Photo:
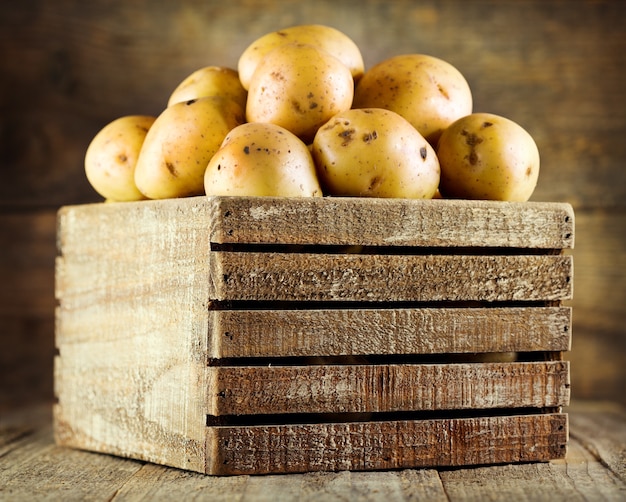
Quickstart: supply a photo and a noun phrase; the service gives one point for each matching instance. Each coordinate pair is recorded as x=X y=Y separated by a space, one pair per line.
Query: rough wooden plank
x=392 y=222
x=132 y=325
x=330 y=332
x=153 y=482
x=385 y=445
x=386 y=387
x=403 y=485
x=577 y=477
x=131 y=382
x=34 y=469
x=352 y=277
x=156 y=482
x=586 y=473
x=602 y=431
x=363 y=221
x=41 y=470
x=113 y=401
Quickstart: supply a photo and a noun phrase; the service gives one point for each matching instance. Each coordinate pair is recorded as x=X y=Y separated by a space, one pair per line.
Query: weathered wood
x=385 y=445
x=61 y=83
x=584 y=474
x=316 y=332
x=37 y=469
x=32 y=467
x=157 y=482
x=385 y=278
x=392 y=222
x=142 y=293
x=601 y=429
x=131 y=271
x=359 y=388
x=58 y=95
x=577 y=477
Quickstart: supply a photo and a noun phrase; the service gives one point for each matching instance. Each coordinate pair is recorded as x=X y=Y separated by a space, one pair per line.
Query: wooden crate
x=263 y=335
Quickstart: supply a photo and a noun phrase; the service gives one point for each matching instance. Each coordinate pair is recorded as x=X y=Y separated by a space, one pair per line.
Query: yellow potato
x=427 y=91
x=180 y=144
x=299 y=87
x=486 y=156
x=374 y=153
x=112 y=155
x=210 y=81
x=262 y=159
x=324 y=37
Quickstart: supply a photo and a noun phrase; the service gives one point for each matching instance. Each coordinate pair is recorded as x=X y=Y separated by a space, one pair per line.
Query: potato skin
x=112 y=155
x=323 y=37
x=210 y=81
x=487 y=156
x=427 y=91
x=374 y=153
x=299 y=87
x=180 y=144
x=262 y=159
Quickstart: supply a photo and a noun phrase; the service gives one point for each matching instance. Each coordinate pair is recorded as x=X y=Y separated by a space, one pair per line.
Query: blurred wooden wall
x=69 y=67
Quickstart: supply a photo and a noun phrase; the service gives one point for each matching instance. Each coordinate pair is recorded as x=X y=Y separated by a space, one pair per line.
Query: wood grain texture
x=132 y=325
x=336 y=332
x=352 y=277
x=600 y=428
x=527 y=67
x=579 y=476
x=32 y=467
x=257 y=390
x=137 y=284
x=385 y=445
x=61 y=473
x=392 y=222
x=61 y=82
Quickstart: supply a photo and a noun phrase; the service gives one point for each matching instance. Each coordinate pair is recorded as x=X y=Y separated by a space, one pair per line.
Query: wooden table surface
x=32 y=467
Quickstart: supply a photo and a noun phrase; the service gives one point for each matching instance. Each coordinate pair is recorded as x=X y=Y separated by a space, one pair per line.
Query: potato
x=427 y=91
x=180 y=144
x=324 y=37
x=374 y=152
x=262 y=159
x=112 y=155
x=486 y=156
x=210 y=81
x=299 y=87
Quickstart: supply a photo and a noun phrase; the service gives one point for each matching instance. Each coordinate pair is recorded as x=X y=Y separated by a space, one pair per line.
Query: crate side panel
x=392 y=222
x=131 y=330
x=253 y=390
x=364 y=277
x=386 y=445
x=340 y=332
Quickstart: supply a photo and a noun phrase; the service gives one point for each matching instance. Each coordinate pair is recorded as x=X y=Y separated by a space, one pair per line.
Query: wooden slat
x=392 y=222
x=254 y=390
x=349 y=277
x=385 y=445
x=330 y=332
x=33 y=468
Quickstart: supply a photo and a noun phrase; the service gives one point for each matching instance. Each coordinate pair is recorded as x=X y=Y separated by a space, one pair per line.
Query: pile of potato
x=300 y=117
